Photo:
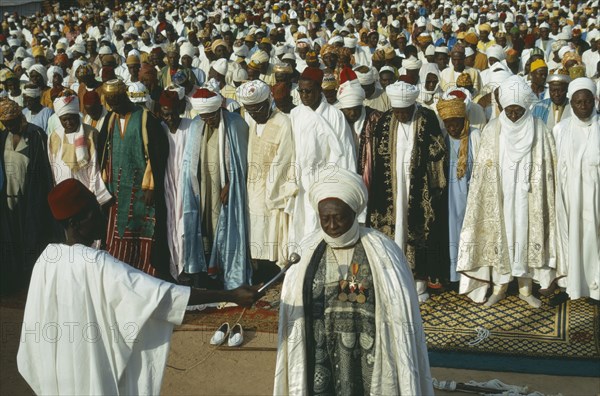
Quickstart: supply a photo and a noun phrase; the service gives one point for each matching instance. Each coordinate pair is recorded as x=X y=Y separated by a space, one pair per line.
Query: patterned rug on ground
x=511 y=327
x=455 y=324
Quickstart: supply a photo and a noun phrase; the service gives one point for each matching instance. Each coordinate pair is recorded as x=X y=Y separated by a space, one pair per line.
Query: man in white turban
x=556 y=107
x=495 y=55
x=270 y=183
x=346 y=305
x=215 y=228
x=375 y=96
x=509 y=229
x=408 y=155
x=72 y=148
x=362 y=119
x=577 y=186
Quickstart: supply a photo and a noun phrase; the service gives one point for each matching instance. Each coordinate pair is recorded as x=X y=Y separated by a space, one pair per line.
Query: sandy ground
x=196 y=368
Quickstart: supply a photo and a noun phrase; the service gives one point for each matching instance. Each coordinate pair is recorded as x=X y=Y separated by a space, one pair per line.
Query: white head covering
x=187 y=49
x=41 y=70
x=367 y=78
x=52 y=70
x=137 y=92
x=412 y=63
x=579 y=84
x=564 y=50
x=469 y=52
x=430 y=50
x=206 y=105
x=350 y=42
x=220 y=66
x=402 y=94
x=442 y=50
x=32 y=92
x=240 y=75
x=515 y=91
x=350 y=94
x=253 y=92
x=496 y=51
x=348 y=187
x=66 y=105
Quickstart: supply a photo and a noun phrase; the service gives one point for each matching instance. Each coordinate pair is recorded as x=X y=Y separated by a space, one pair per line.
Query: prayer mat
x=262 y=317
x=512 y=336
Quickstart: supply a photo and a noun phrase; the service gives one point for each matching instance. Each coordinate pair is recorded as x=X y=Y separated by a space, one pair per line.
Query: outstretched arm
x=244 y=296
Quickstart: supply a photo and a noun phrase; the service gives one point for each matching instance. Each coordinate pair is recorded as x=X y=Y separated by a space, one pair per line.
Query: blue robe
x=458 y=190
x=230 y=253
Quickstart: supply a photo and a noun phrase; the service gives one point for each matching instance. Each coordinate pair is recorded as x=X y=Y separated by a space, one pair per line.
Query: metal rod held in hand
x=293 y=259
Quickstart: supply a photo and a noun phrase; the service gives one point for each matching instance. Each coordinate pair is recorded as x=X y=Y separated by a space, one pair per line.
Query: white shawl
x=401 y=363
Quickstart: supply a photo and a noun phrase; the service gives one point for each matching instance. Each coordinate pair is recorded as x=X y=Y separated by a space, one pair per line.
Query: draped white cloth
x=323 y=141
x=173 y=193
x=401 y=363
x=578 y=204
x=96 y=326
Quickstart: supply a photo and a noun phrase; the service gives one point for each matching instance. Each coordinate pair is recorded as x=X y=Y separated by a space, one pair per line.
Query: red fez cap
x=280 y=90
x=156 y=50
x=312 y=73
x=203 y=93
x=91 y=98
x=168 y=98
x=347 y=74
x=69 y=198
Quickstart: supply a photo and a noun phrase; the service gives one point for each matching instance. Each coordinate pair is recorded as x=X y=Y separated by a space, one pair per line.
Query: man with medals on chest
x=133 y=161
x=349 y=320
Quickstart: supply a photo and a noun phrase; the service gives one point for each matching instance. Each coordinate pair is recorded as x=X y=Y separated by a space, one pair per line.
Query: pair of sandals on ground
x=233 y=335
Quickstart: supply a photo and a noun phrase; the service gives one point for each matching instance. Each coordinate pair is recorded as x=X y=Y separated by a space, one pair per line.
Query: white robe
x=173 y=193
x=89 y=175
x=323 y=141
x=270 y=185
x=405 y=138
x=96 y=326
x=578 y=205
x=401 y=364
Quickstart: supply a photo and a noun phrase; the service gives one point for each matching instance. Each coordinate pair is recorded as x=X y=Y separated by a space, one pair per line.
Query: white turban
x=187 y=49
x=350 y=42
x=497 y=76
x=564 y=50
x=137 y=92
x=469 y=52
x=104 y=50
x=41 y=70
x=515 y=91
x=27 y=63
x=79 y=47
x=32 y=92
x=367 y=78
x=260 y=56
x=430 y=50
x=66 y=105
x=206 y=105
x=496 y=51
x=220 y=66
x=240 y=75
x=402 y=94
x=442 y=50
x=54 y=70
x=253 y=92
x=350 y=94
x=344 y=185
x=412 y=63
x=336 y=39
x=581 y=83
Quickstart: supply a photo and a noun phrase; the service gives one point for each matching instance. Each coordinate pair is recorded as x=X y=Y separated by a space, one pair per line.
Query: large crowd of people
x=216 y=134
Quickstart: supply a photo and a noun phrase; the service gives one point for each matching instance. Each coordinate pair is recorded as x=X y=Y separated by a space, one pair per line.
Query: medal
x=361 y=298
x=343 y=297
x=343 y=284
x=352 y=297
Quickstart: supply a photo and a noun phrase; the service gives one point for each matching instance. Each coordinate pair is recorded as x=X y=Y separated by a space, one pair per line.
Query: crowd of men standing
x=200 y=127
